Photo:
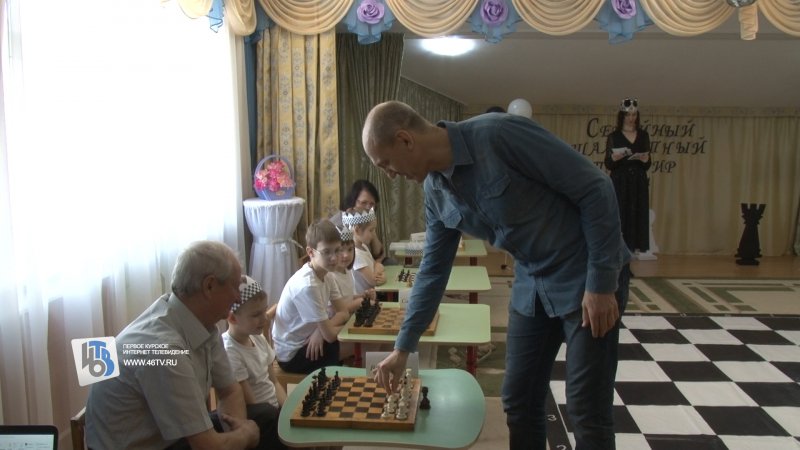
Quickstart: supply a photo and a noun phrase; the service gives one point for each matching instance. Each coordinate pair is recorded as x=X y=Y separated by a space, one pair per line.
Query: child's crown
x=353 y=218
x=247 y=290
x=345 y=233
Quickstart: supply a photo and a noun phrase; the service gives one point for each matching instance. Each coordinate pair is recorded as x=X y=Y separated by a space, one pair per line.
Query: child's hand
x=370 y=295
x=380 y=278
x=315 y=344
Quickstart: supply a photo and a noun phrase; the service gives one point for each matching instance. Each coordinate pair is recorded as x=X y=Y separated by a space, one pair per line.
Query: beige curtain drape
x=297 y=114
x=706 y=162
x=367 y=75
x=304 y=16
x=431 y=18
x=558 y=17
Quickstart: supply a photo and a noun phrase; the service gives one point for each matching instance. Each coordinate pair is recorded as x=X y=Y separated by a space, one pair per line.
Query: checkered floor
x=700 y=382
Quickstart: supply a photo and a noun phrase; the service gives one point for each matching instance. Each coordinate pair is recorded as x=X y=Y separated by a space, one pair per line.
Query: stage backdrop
x=706 y=162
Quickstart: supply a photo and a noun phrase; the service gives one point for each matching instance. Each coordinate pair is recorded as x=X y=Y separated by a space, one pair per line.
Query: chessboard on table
x=388 y=321
x=358 y=403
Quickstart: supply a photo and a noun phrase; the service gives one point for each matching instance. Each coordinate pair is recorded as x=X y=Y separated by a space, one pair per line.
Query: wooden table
x=473 y=249
x=455 y=420
x=459 y=324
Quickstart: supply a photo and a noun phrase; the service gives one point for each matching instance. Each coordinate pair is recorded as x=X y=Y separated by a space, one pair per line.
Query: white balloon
x=520 y=107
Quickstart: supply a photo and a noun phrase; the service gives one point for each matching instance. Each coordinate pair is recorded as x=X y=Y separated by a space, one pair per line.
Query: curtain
x=706 y=162
x=408 y=196
x=433 y=18
x=297 y=114
x=120 y=145
x=366 y=75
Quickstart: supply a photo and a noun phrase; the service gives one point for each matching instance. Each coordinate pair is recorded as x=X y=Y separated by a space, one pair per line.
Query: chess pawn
x=386 y=413
x=402 y=411
x=425 y=403
x=391 y=404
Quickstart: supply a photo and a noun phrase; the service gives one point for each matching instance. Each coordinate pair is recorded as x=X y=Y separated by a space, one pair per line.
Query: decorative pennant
x=368 y=19
x=494 y=19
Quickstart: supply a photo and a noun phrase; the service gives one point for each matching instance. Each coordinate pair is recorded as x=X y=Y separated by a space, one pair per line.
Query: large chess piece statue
x=749 y=245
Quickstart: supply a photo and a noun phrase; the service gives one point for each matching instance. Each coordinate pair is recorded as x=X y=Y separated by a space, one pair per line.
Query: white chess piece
x=402 y=411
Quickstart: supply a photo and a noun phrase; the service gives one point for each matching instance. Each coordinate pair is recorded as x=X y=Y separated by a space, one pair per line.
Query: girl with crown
x=367 y=273
x=628 y=159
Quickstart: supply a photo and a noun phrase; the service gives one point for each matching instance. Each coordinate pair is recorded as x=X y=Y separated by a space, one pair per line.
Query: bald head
x=385 y=120
x=401 y=142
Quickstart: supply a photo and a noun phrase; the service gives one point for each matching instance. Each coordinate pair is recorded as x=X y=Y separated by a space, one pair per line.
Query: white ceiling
x=713 y=69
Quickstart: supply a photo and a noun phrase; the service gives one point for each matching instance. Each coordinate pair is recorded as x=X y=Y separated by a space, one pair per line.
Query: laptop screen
x=28 y=437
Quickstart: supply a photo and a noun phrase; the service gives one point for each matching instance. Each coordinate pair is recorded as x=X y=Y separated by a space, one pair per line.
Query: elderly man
x=163 y=404
x=505 y=179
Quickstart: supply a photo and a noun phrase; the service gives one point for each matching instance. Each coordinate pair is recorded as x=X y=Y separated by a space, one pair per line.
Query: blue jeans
x=531 y=348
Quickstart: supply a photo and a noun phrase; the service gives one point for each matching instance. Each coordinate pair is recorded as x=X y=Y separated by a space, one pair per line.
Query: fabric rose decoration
x=625 y=9
x=370 y=11
x=494 y=19
x=368 y=19
x=494 y=12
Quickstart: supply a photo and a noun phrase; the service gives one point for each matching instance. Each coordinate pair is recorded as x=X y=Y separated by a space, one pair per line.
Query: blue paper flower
x=494 y=19
x=621 y=19
x=368 y=19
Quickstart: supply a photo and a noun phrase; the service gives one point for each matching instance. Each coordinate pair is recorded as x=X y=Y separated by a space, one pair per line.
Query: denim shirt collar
x=459 y=151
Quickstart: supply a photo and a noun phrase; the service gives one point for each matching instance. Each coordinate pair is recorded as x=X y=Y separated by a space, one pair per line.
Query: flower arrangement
x=273 y=179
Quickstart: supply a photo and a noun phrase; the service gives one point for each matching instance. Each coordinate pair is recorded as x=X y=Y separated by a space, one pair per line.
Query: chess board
x=388 y=321
x=358 y=403
x=699 y=382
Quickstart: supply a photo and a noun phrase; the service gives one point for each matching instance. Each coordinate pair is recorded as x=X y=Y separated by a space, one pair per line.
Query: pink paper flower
x=274 y=177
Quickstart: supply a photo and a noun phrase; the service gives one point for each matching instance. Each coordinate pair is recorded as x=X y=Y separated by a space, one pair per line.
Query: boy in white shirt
x=251 y=359
x=304 y=333
x=367 y=273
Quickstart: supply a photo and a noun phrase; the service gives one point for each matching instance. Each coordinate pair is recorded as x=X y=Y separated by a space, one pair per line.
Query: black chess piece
x=425 y=403
x=749 y=245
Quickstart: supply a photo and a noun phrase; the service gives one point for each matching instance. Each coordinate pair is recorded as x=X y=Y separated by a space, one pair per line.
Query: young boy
x=251 y=359
x=367 y=273
x=303 y=331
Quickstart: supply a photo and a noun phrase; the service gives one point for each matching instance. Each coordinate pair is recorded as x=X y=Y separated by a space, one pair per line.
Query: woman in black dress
x=628 y=159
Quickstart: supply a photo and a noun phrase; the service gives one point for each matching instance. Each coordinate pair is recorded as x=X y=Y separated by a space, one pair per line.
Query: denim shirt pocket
x=451 y=218
x=495 y=188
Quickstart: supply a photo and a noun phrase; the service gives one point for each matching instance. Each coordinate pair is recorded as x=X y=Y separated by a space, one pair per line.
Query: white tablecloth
x=273 y=256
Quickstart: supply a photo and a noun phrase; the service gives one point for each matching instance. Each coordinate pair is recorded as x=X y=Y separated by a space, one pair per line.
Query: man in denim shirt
x=506 y=179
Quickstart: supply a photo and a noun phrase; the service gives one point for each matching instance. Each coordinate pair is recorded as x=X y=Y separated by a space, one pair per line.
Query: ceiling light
x=448 y=46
